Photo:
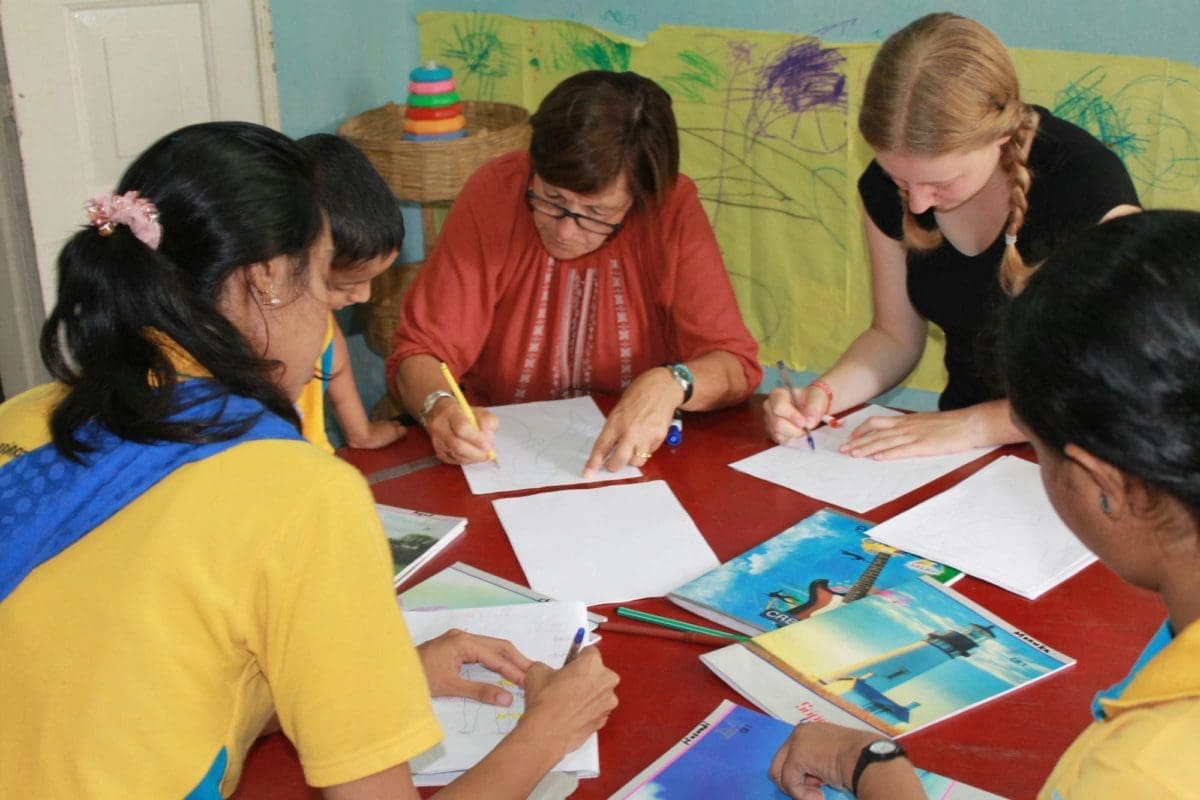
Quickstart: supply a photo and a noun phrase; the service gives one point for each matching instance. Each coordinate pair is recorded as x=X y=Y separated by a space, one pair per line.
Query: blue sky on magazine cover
x=825 y=545
x=826 y=645
x=732 y=760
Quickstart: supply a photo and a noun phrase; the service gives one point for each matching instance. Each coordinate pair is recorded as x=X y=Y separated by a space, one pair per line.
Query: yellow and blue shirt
x=1143 y=742
x=144 y=659
x=311 y=403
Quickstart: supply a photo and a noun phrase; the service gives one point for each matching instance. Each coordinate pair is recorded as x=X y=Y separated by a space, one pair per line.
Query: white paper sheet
x=609 y=544
x=543 y=444
x=997 y=525
x=857 y=484
x=543 y=632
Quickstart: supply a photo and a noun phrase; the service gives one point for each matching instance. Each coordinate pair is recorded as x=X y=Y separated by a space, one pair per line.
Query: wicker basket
x=380 y=313
x=432 y=172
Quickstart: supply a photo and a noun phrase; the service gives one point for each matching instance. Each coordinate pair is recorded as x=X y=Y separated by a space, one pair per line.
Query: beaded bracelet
x=827 y=418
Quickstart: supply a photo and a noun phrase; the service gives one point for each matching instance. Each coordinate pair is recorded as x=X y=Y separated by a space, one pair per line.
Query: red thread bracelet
x=828 y=390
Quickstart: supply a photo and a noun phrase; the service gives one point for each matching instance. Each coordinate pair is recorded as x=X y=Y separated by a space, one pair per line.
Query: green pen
x=677 y=624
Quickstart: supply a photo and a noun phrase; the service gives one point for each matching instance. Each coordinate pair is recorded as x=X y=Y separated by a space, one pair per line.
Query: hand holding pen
x=576 y=646
x=461 y=400
x=564 y=706
x=783 y=412
x=786 y=379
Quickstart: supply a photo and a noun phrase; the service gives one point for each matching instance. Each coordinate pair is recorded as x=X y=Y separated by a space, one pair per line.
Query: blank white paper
x=857 y=484
x=609 y=544
x=543 y=444
x=543 y=632
x=997 y=525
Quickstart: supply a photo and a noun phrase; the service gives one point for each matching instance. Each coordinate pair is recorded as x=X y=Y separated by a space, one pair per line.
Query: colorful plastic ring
x=430 y=73
x=434 y=125
x=444 y=112
x=434 y=137
x=431 y=87
x=432 y=100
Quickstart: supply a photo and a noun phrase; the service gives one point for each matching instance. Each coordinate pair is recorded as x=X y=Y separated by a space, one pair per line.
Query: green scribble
x=699 y=75
x=1172 y=163
x=576 y=52
x=1081 y=102
x=534 y=63
x=480 y=56
x=619 y=18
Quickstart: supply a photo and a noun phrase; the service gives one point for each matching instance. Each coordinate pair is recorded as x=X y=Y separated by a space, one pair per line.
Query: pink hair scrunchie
x=107 y=210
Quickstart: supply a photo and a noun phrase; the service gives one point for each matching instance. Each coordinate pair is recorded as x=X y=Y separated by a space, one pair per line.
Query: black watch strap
x=873 y=753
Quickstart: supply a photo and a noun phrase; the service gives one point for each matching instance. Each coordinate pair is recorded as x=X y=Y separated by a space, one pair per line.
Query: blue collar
x=1162 y=637
x=48 y=502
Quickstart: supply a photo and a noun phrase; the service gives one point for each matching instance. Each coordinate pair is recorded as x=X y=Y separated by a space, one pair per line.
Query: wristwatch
x=682 y=376
x=876 y=751
x=430 y=401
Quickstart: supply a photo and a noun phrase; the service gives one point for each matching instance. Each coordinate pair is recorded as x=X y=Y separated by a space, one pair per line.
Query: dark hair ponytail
x=1102 y=349
x=228 y=195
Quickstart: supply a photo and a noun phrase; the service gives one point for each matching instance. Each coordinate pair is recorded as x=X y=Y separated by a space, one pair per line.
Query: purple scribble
x=806 y=76
x=839 y=27
x=740 y=52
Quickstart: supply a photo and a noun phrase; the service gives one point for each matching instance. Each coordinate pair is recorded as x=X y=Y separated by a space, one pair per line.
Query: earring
x=272 y=298
x=1104 y=504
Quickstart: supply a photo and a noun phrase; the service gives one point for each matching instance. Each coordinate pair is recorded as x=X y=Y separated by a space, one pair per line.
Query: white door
x=94 y=82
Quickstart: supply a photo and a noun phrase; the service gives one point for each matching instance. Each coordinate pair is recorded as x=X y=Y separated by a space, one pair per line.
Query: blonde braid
x=916 y=237
x=1014 y=272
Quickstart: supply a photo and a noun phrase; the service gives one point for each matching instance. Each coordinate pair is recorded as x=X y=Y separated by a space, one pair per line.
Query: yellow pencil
x=465 y=406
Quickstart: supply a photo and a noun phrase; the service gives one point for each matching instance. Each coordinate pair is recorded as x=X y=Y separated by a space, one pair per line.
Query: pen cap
x=675 y=429
x=674 y=433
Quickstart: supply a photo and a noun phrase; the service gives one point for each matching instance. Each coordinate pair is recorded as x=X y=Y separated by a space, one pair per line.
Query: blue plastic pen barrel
x=675 y=431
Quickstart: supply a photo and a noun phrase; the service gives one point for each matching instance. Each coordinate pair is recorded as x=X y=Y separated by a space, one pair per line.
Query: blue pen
x=675 y=430
x=787 y=383
x=575 y=647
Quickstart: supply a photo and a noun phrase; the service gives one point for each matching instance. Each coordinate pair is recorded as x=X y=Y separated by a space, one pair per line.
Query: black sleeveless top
x=1076 y=181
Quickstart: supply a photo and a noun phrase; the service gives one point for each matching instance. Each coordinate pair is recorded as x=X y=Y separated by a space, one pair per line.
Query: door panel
x=95 y=82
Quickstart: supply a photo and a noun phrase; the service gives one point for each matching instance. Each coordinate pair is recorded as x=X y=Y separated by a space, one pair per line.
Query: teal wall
x=336 y=59
x=333 y=60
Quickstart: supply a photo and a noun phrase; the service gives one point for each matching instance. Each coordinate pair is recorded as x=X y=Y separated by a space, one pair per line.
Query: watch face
x=883 y=747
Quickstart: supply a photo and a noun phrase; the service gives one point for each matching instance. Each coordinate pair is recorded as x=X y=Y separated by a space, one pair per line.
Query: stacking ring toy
x=431 y=87
x=444 y=112
x=430 y=72
x=434 y=137
x=432 y=100
x=434 y=125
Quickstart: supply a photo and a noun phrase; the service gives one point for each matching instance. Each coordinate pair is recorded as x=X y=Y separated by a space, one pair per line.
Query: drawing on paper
x=546 y=443
x=499 y=720
x=478 y=56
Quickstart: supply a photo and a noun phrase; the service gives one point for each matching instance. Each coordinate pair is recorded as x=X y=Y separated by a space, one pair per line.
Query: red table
x=1006 y=746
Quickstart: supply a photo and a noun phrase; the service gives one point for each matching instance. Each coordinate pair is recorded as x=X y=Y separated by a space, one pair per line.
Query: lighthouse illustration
x=867 y=683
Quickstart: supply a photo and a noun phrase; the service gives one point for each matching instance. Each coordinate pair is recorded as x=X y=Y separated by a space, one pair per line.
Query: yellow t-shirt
x=311 y=403
x=254 y=581
x=1145 y=746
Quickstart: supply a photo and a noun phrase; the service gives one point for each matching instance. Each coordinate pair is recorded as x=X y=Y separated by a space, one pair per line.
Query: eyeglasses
x=555 y=211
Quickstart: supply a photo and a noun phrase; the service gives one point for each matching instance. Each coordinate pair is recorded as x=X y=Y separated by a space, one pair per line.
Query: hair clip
x=108 y=210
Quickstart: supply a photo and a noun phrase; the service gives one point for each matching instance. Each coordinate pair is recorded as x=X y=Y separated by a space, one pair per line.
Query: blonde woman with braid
x=969 y=188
